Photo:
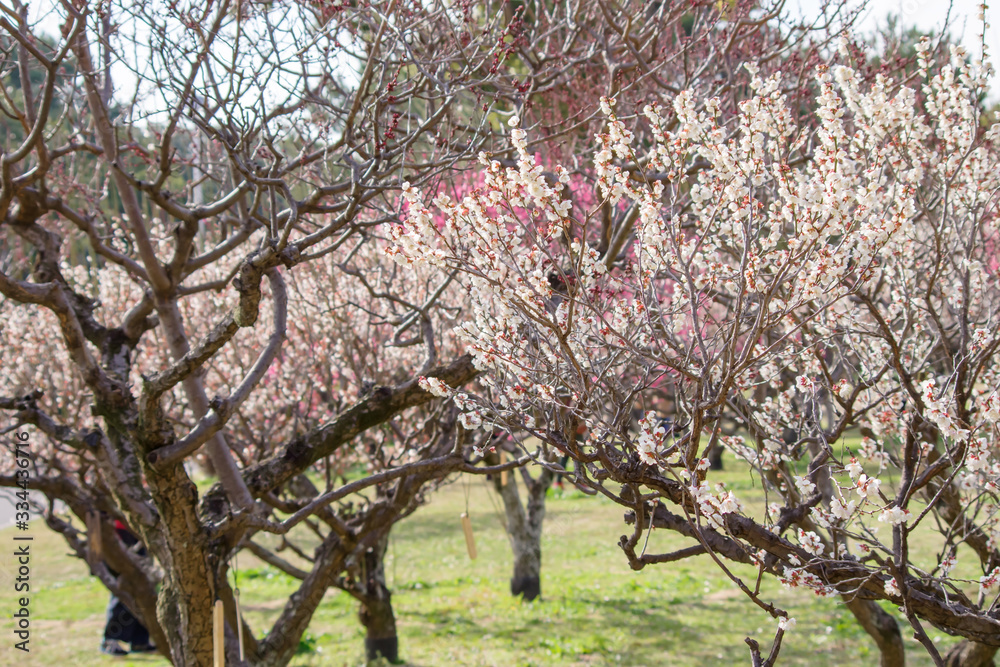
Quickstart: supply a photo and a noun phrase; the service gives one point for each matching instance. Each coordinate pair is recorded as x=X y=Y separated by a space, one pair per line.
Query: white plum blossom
x=978 y=455
x=796 y=577
x=991 y=408
x=989 y=583
x=434 y=386
x=470 y=420
x=463 y=402
x=729 y=503
x=743 y=269
x=937 y=412
x=650 y=442
x=811 y=542
x=895 y=515
x=948 y=564
x=804 y=485
x=842 y=510
x=843 y=389
x=714 y=506
x=868 y=487
x=821 y=517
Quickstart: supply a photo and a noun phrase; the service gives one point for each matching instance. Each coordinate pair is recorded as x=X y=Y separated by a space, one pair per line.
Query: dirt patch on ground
x=723 y=595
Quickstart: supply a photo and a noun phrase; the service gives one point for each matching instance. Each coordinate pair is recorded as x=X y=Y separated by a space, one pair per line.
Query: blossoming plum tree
x=258 y=142
x=192 y=267
x=818 y=279
x=697 y=43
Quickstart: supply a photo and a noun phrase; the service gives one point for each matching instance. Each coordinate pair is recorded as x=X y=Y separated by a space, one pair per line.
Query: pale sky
x=924 y=14
x=928 y=15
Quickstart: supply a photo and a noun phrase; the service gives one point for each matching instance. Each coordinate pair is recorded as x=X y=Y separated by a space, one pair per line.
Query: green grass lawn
x=453 y=611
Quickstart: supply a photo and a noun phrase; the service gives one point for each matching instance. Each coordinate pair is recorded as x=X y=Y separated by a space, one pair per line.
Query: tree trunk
x=524 y=525
x=715 y=457
x=184 y=603
x=376 y=612
x=970 y=654
x=882 y=627
x=527 y=579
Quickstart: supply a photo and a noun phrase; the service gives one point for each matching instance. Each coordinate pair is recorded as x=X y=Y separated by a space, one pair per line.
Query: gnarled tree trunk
x=970 y=654
x=524 y=526
x=882 y=627
x=376 y=612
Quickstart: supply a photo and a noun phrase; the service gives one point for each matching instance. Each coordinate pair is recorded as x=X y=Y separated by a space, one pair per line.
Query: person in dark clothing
x=122 y=627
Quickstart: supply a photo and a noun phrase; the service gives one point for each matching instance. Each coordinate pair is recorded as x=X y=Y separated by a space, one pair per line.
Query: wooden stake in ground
x=470 y=540
x=219 y=635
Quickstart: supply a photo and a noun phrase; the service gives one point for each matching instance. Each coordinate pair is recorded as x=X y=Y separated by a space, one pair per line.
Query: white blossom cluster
x=838 y=276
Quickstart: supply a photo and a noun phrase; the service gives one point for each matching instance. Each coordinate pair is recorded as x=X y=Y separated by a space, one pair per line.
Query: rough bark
x=970 y=654
x=524 y=526
x=184 y=603
x=376 y=612
x=881 y=627
x=278 y=648
x=372 y=409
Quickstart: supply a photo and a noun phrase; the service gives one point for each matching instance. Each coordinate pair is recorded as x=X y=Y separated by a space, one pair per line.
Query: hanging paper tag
x=239 y=623
x=470 y=540
x=503 y=473
x=219 y=635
